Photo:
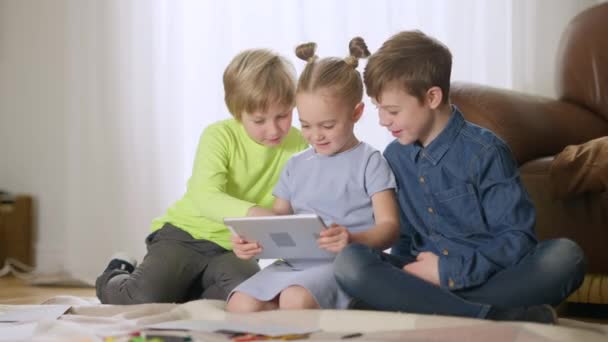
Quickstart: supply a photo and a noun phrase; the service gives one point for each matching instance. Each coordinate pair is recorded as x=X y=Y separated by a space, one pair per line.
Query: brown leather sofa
x=569 y=187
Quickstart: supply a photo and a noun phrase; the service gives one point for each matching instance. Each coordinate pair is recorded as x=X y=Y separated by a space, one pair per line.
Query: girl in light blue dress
x=346 y=182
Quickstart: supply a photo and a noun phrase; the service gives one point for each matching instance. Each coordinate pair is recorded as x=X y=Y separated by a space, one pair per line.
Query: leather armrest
x=533 y=126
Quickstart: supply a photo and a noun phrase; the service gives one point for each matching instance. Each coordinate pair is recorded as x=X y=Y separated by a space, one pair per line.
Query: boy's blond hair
x=256 y=79
x=337 y=75
x=412 y=60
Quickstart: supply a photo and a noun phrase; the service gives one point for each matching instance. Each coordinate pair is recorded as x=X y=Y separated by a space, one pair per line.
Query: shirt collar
x=441 y=144
x=415 y=149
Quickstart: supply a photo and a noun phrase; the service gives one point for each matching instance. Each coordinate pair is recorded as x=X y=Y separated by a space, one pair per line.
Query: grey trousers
x=176 y=269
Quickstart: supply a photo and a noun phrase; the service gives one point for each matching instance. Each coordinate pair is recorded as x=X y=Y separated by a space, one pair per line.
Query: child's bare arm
x=279 y=207
x=259 y=211
x=386 y=231
x=381 y=236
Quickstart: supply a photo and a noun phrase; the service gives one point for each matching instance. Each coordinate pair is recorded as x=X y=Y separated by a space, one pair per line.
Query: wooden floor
x=17 y=291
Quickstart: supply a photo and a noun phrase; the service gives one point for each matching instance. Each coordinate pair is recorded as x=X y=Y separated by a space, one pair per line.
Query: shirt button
x=450 y=282
x=421 y=179
x=430 y=210
x=445 y=252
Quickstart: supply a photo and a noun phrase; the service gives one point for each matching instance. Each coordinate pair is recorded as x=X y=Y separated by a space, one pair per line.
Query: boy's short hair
x=256 y=79
x=413 y=60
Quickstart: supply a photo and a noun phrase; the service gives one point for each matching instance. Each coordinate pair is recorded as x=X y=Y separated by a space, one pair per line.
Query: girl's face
x=327 y=122
x=269 y=127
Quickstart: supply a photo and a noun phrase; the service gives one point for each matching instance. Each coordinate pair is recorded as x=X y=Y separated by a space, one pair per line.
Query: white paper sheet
x=267 y=329
x=17 y=331
x=34 y=313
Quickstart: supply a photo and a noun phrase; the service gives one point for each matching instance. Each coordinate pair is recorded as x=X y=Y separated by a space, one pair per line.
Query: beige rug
x=89 y=321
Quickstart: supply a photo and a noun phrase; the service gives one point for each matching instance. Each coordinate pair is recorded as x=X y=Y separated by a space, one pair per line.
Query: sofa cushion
x=580 y=169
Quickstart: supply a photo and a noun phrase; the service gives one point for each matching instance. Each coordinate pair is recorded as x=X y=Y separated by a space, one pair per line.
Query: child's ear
x=358 y=111
x=434 y=97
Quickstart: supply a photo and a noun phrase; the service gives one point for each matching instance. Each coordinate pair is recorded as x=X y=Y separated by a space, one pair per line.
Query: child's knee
x=561 y=261
x=242 y=302
x=574 y=251
x=297 y=297
x=563 y=255
x=574 y=258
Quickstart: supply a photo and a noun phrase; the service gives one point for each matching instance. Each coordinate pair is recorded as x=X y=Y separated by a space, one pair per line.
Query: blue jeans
x=547 y=275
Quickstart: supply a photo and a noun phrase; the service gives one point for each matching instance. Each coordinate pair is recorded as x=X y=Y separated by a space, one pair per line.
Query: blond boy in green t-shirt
x=237 y=163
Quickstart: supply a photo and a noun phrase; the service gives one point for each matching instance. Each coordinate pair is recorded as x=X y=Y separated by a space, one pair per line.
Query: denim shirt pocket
x=459 y=211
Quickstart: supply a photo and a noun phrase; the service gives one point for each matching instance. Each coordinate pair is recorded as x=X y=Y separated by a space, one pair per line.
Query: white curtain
x=102 y=101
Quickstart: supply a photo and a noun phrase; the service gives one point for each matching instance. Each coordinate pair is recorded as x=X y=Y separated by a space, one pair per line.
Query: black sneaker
x=122 y=261
x=537 y=314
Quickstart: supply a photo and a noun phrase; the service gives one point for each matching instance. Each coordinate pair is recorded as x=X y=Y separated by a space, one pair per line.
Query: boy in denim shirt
x=467 y=244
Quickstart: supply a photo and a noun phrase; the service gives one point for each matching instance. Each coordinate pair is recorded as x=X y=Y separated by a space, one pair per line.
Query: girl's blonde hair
x=337 y=75
x=256 y=79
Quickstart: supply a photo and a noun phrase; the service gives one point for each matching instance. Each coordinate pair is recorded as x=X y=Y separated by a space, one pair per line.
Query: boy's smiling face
x=327 y=122
x=268 y=127
x=408 y=119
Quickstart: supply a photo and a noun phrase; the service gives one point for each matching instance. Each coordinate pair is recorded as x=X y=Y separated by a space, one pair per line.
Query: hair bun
x=357 y=49
x=306 y=51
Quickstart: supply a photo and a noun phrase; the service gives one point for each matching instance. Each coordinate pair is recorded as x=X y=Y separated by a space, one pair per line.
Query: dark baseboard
x=583 y=310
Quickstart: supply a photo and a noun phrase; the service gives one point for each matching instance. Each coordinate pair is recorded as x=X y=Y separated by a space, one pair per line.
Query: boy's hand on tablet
x=334 y=238
x=245 y=249
x=425 y=267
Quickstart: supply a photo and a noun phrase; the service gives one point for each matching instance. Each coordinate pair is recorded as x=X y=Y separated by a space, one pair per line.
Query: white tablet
x=282 y=237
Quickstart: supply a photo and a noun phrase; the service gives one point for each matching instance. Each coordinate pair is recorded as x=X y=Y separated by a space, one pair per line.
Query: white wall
x=32 y=115
x=539 y=40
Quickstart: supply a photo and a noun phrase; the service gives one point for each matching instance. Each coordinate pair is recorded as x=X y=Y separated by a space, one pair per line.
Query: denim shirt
x=461 y=198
